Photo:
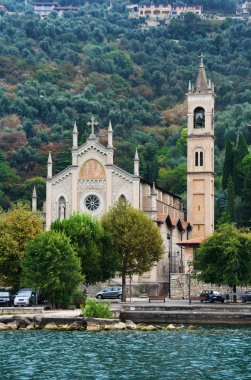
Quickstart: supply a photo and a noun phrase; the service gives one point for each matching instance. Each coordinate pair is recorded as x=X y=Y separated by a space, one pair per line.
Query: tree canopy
x=136 y=240
x=93 y=246
x=225 y=257
x=51 y=265
x=18 y=227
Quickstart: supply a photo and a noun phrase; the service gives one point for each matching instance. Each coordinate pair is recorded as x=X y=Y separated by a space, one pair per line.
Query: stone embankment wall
x=180 y=287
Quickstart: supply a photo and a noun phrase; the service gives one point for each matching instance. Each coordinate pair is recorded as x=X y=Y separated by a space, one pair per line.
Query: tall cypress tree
x=246 y=196
x=238 y=173
x=228 y=164
x=230 y=198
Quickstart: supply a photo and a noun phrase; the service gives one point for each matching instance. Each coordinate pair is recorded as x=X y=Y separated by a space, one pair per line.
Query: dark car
x=246 y=296
x=211 y=296
x=6 y=299
x=110 y=292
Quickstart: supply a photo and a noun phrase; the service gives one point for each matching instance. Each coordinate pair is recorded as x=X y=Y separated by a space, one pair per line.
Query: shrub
x=96 y=309
x=79 y=299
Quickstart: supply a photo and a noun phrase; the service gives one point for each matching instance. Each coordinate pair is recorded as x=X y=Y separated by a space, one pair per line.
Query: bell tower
x=200 y=154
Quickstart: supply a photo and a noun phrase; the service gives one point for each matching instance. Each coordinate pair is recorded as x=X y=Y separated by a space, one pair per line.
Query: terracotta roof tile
x=191 y=242
x=161 y=218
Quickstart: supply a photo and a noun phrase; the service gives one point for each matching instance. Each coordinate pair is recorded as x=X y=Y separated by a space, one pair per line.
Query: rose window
x=92 y=202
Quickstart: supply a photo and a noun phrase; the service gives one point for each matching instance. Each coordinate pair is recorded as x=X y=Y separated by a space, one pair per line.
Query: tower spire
x=201 y=84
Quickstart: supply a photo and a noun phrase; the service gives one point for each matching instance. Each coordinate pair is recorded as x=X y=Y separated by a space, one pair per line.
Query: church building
x=93 y=184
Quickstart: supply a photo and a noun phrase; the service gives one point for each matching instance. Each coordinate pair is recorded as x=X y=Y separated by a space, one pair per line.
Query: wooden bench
x=157 y=298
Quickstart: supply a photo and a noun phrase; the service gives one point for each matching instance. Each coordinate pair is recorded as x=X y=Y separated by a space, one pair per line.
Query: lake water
x=205 y=353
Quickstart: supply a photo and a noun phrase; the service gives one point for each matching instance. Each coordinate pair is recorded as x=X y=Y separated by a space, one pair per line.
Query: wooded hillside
x=98 y=62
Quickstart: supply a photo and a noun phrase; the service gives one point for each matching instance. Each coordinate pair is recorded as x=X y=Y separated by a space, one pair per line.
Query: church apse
x=92 y=169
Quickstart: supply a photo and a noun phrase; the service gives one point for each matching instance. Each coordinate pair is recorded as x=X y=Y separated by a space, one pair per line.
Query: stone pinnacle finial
x=154 y=192
x=189 y=86
x=34 y=200
x=110 y=135
x=136 y=157
x=49 y=158
x=75 y=129
x=136 y=163
x=75 y=136
x=110 y=126
x=34 y=193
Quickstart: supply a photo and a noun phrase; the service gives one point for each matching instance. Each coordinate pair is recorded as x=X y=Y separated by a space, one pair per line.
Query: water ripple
x=206 y=353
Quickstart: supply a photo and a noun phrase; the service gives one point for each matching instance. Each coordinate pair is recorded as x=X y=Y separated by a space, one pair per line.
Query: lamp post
x=168 y=236
x=189 y=263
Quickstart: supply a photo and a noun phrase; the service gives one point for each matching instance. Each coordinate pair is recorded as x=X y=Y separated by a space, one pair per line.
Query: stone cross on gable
x=201 y=56
x=92 y=123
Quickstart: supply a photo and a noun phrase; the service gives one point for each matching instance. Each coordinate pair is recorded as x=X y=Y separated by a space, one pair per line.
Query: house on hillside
x=44 y=9
x=161 y=11
x=243 y=9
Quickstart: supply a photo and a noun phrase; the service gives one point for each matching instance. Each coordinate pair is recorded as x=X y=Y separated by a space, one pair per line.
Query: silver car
x=110 y=292
x=25 y=297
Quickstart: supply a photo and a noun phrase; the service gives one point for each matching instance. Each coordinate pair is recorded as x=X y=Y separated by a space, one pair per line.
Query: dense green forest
x=98 y=62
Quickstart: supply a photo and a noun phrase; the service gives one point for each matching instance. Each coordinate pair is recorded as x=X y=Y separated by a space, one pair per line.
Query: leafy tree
x=93 y=246
x=18 y=226
x=24 y=158
x=225 y=257
x=8 y=182
x=173 y=180
x=51 y=265
x=136 y=239
x=182 y=142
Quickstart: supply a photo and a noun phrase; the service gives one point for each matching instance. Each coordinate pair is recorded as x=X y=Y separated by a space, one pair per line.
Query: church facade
x=93 y=184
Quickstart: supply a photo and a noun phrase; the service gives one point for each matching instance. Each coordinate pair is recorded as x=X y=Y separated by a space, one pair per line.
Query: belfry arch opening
x=199 y=118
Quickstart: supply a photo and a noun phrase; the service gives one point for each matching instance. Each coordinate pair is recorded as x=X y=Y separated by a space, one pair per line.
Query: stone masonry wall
x=180 y=287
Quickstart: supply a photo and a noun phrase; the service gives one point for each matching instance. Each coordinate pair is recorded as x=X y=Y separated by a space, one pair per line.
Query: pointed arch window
x=61 y=208
x=199 y=118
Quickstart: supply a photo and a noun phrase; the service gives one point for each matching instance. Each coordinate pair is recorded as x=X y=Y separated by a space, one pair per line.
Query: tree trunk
x=123 y=298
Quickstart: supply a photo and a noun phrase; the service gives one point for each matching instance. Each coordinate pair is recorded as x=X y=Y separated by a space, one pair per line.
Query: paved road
x=116 y=306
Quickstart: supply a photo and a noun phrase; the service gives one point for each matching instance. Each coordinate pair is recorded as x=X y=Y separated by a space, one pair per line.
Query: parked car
x=111 y=292
x=246 y=296
x=25 y=297
x=6 y=299
x=211 y=296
